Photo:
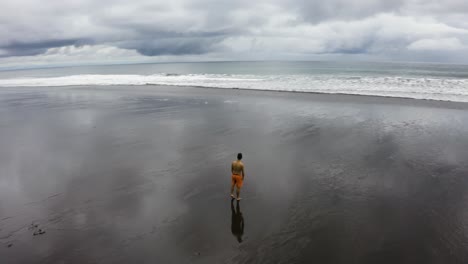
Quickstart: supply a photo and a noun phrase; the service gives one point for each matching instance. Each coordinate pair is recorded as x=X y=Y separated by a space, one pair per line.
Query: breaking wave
x=408 y=87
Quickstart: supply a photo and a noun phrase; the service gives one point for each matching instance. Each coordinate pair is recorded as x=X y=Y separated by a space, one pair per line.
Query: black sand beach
x=141 y=175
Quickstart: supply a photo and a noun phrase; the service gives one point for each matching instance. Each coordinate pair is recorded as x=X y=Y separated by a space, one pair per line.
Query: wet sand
x=141 y=175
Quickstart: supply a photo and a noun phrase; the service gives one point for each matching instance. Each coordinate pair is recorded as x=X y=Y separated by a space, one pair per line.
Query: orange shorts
x=237 y=180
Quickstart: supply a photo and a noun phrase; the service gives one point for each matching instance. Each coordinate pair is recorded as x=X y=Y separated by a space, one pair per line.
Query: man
x=238 y=174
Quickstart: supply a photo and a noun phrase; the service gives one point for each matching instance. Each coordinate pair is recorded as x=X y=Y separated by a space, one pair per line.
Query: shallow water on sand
x=139 y=175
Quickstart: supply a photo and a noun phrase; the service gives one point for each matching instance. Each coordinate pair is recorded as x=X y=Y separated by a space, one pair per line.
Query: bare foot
x=232 y=196
x=238 y=198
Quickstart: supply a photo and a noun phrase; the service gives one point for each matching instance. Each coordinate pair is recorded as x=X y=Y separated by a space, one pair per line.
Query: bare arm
x=243 y=173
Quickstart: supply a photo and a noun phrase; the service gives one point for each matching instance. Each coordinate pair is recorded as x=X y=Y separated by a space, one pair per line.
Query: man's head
x=239 y=156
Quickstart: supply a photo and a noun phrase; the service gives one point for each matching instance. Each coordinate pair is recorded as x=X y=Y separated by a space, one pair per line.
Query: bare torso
x=237 y=168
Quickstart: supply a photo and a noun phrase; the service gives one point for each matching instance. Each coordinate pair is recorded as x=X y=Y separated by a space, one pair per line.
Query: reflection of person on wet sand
x=237 y=221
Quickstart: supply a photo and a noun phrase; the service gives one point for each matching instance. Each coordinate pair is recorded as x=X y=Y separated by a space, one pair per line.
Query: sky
x=34 y=32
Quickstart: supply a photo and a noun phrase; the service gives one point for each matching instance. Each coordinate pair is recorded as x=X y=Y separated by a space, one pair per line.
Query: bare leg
x=232 y=191
x=238 y=194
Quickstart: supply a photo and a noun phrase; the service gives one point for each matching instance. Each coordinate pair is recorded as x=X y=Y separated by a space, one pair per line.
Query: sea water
x=408 y=80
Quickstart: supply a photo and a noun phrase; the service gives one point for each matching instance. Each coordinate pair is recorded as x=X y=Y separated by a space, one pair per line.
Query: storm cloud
x=33 y=30
x=34 y=48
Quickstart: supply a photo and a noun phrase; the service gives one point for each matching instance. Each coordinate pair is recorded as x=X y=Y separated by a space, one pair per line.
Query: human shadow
x=237 y=221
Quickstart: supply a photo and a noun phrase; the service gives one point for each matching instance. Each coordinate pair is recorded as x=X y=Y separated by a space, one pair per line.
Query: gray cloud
x=171 y=46
x=319 y=11
x=33 y=48
x=233 y=29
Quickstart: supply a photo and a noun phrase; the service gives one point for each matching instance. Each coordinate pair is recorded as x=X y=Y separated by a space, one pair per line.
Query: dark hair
x=239 y=156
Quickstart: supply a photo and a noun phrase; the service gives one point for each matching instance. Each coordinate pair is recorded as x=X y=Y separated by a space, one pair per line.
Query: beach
x=141 y=174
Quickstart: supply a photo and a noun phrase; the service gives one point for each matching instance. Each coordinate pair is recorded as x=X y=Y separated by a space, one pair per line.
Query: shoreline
x=362 y=98
x=319 y=93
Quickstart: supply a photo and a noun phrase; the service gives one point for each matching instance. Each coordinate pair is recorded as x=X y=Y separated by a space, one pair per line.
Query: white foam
x=419 y=88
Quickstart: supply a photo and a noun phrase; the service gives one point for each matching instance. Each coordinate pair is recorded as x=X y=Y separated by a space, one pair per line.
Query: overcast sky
x=105 y=31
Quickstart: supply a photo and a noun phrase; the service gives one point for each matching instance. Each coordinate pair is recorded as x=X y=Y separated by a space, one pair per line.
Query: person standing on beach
x=238 y=174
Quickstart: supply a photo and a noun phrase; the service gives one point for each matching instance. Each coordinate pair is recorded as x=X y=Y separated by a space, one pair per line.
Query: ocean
x=446 y=82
